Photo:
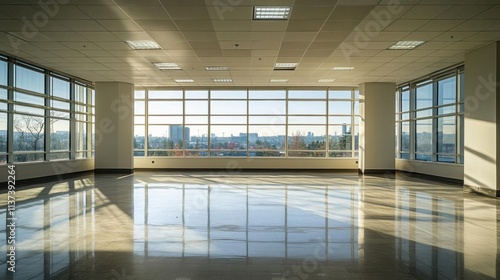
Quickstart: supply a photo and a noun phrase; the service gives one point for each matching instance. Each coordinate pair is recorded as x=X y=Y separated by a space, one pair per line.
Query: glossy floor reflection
x=276 y=226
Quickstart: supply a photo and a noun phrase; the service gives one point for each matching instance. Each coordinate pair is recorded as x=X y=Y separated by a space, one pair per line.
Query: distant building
x=175 y=132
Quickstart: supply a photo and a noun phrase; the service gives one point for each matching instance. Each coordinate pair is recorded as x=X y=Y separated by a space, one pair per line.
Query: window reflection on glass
x=3 y=73
x=29 y=79
x=424 y=96
x=423 y=139
x=447 y=91
x=60 y=88
x=446 y=139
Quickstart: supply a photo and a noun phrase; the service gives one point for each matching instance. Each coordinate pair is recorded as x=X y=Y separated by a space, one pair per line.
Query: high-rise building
x=175 y=133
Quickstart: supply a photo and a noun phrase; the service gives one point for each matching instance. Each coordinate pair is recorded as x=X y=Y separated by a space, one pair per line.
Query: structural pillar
x=376 y=136
x=114 y=132
x=481 y=132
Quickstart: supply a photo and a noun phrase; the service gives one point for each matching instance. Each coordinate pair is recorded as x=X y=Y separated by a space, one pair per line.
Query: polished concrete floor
x=271 y=226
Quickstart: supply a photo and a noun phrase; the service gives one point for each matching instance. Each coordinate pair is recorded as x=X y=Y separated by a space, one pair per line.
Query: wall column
x=481 y=147
x=114 y=132
x=377 y=128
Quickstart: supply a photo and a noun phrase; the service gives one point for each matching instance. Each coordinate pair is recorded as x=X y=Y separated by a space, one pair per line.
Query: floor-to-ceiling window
x=41 y=113
x=294 y=123
x=429 y=118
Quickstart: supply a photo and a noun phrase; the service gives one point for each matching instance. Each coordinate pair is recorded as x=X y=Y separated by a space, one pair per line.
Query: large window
x=429 y=118
x=246 y=123
x=41 y=113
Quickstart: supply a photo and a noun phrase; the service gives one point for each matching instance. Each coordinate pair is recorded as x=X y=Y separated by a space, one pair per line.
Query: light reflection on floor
x=252 y=226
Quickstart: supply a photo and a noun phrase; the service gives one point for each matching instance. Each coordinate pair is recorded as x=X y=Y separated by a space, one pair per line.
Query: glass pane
x=198 y=107
x=267 y=94
x=165 y=94
x=139 y=108
x=80 y=93
x=30 y=110
x=340 y=94
x=266 y=141
x=340 y=137
x=356 y=139
x=306 y=120
x=424 y=96
x=267 y=107
x=165 y=107
x=306 y=138
x=446 y=137
x=3 y=72
x=196 y=119
x=447 y=91
x=307 y=94
x=3 y=132
x=462 y=87
x=339 y=107
x=59 y=156
x=405 y=137
x=139 y=119
x=196 y=94
x=167 y=136
x=139 y=94
x=59 y=114
x=139 y=136
x=81 y=136
x=306 y=108
x=228 y=120
x=28 y=98
x=165 y=120
x=405 y=101
x=228 y=94
x=28 y=133
x=28 y=157
x=461 y=131
x=424 y=113
x=339 y=120
x=198 y=140
x=60 y=88
x=270 y=120
x=228 y=107
x=29 y=79
x=63 y=105
x=423 y=141
x=59 y=135
x=446 y=110
x=3 y=93
x=228 y=137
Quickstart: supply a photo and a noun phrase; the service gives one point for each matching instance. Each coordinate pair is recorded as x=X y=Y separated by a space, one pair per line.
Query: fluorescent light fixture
x=342 y=68
x=144 y=45
x=184 y=81
x=271 y=12
x=167 y=66
x=285 y=66
x=406 y=45
x=226 y=80
x=278 y=80
x=216 y=68
x=326 y=80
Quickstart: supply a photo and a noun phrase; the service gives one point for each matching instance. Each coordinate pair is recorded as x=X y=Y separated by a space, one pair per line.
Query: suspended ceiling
x=86 y=38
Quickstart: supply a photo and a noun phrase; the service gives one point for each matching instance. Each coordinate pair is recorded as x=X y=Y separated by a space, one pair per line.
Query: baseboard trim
x=377 y=171
x=113 y=171
x=246 y=170
x=481 y=190
x=46 y=179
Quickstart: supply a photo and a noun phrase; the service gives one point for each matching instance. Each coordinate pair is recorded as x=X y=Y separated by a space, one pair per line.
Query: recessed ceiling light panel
x=406 y=45
x=216 y=68
x=271 y=12
x=144 y=45
x=285 y=66
x=326 y=80
x=167 y=66
x=342 y=68
x=278 y=80
x=184 y=81
x=224 y=80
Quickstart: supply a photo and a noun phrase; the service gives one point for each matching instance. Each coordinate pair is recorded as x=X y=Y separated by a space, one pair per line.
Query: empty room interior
x=249 y=139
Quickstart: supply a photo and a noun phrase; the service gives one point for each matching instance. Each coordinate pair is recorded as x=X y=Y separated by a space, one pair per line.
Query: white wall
x=377 y=141
x=481 y=114
x=249 y=163
x=42 y=169
x=114 y=125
